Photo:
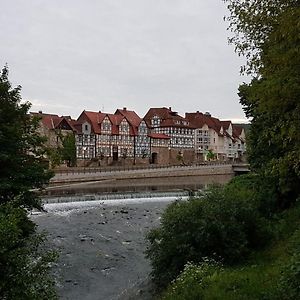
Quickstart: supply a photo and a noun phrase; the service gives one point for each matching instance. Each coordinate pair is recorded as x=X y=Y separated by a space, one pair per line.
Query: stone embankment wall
x=167 y=179
x=145 y=173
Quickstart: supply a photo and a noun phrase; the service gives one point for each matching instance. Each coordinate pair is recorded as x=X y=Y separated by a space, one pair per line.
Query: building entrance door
x=154 y=158
x=115 y=153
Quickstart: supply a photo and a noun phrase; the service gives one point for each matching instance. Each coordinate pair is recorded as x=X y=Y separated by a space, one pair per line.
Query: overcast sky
x=71 y=55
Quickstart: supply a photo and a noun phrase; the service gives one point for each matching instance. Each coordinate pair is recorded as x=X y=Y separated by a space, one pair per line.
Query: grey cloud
x=115 y=53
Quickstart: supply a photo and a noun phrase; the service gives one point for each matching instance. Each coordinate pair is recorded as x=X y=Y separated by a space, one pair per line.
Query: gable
x=64 y=125
x=86 y=128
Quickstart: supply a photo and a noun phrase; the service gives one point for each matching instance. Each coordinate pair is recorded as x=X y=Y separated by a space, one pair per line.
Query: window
x=106 y=125
x=155 y=121
x=86 y=127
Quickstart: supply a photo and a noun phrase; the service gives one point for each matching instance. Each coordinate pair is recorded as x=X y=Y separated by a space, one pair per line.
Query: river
x=101 y=246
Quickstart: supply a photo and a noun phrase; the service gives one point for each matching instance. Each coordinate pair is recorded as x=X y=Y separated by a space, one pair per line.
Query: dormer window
x=124 y=127
x=155 y=122
x=106 y=125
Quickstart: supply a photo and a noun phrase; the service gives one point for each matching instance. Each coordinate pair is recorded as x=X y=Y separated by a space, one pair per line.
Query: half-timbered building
x=179 y=130
x=54 y=127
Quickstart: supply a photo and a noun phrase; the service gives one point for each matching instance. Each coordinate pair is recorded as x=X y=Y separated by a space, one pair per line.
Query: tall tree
x=21 y=149
x=69 y=149
x=267 y=32
x=23 y=263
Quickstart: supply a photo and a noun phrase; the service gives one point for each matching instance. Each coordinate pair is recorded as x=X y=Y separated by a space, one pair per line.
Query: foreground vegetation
x=24 y=261
x=271 y=273
x=230 y=243
x=242 y=241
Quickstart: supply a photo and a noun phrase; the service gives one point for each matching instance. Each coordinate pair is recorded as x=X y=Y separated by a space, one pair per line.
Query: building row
x=162 y=136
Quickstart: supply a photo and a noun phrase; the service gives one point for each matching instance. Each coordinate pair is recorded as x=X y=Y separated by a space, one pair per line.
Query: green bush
x=193 y=281
x=289 y=283
x=262 y=190
x=25 y=261
x=272 y=273
x=223 y=224
x=289 y=286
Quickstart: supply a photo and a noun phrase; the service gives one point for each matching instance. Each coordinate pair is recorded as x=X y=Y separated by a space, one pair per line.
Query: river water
x=101 y=245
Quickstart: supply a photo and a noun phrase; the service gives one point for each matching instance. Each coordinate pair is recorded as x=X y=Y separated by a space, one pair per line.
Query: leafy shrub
x=289 y=283
x=223 y=224
x=24 y=260
x=193 y=281
x=259 y=189
x=289 y=286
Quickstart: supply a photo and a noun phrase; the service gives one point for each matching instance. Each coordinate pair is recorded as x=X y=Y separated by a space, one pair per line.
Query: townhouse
x=161 y=137
x=112 y=138
x=54 y=127
x=222 y=138
x=169 y=125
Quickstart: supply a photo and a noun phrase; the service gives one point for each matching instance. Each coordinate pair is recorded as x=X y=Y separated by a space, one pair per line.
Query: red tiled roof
x=115 y=121
x=169 y=118
x=78 y=127
x=133 y=119
x=95 y=118
x=237 y=130
x=225 y=124
x=158 y=136
x=198 y=119
x=131 y=116
x=48 y=120
x=161 y=112
x=52 y=121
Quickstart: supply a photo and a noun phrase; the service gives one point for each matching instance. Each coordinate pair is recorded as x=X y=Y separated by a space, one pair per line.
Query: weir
x=119 y=196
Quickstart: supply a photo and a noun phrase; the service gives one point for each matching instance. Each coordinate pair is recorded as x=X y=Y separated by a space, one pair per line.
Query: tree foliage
x=224 y=224
x=21 y=149
x=251 y=23
x=64 y=153
x=230 y=222
x=68 y=151
x=23 y=263
x=267 y=33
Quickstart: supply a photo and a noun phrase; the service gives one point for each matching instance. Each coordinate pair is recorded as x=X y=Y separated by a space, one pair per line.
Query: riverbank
x=138 y=182
x=102 y=247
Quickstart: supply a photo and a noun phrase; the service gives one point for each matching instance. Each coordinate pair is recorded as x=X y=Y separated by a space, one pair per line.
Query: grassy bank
x=271 y=273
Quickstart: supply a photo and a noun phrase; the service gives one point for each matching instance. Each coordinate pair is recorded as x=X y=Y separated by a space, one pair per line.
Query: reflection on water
x=140 y=185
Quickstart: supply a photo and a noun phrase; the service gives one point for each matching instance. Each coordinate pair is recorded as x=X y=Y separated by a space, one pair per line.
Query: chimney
x=40 y=112
x=124 y=108
x=99 y=111
x=170 y=108
x=197 y=111
x=207 y=113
